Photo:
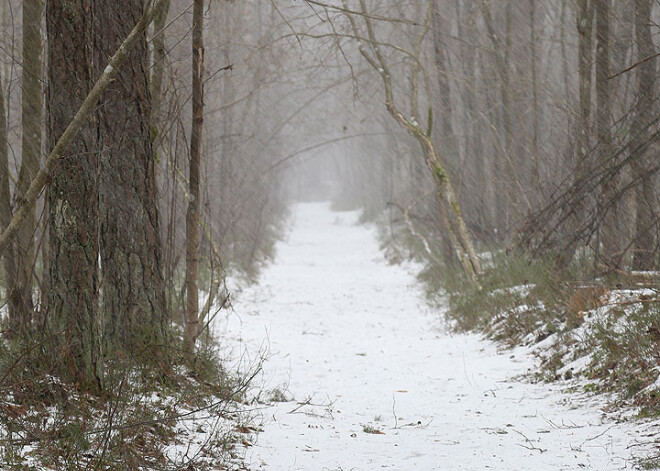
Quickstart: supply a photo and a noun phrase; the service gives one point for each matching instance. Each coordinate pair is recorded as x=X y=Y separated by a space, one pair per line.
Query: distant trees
x=542 y=116
x=370 y=47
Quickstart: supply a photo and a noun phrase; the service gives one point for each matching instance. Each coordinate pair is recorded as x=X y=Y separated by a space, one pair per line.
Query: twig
x=595 y=437
x=396 y=419
x=531 y=445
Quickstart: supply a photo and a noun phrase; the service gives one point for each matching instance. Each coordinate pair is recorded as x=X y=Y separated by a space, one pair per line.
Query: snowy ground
x=354 y=349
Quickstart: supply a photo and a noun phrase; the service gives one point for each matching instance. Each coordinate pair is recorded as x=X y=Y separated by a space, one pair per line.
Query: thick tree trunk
x=132 y=282
x=73 y=129
x=193 y=214
x=72 y=197
x=21 y=305
x=646 y=112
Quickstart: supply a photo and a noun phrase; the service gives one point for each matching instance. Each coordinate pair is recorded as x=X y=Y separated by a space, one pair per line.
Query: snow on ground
x=352 y=340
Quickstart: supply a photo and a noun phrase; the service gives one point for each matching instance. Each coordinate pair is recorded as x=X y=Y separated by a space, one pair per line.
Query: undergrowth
x=185 y=415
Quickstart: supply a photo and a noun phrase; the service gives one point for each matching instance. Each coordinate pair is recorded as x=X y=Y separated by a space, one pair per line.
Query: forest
x=169 y=168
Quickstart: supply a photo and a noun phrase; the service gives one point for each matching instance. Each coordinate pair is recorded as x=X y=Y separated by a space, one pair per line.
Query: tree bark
x=444 y=88
x=193 y=213
x=72 y=197
x=158 y=69
x=132 y=281
x=536 y=110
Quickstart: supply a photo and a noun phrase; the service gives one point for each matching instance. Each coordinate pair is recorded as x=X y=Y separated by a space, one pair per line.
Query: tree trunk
x=507 y=171
x=5 y=196
x=460 y=236
x=21 y=305
x=132 y=282
x=610 y=227
x=193 y=213
x=646 y=112
x=504 y=172
x=583 y=165
x=472 y=119
x=536 y=110
x=158 y=69
x=72 y=197
x=444 y=88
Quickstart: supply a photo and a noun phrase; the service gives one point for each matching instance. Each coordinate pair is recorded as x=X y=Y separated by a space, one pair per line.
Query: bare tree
x=611 y=236
x=583 y=165
x=193 y=214
x=5 y=194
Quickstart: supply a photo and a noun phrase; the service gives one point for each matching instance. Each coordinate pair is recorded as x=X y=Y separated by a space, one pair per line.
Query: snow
x=353 y=341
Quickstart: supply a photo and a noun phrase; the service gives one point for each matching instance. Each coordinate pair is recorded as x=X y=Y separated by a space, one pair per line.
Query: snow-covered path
x=351 y=336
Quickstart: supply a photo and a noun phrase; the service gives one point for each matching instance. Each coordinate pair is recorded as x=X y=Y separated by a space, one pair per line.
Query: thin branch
x=348 y=11
x=637 y=64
